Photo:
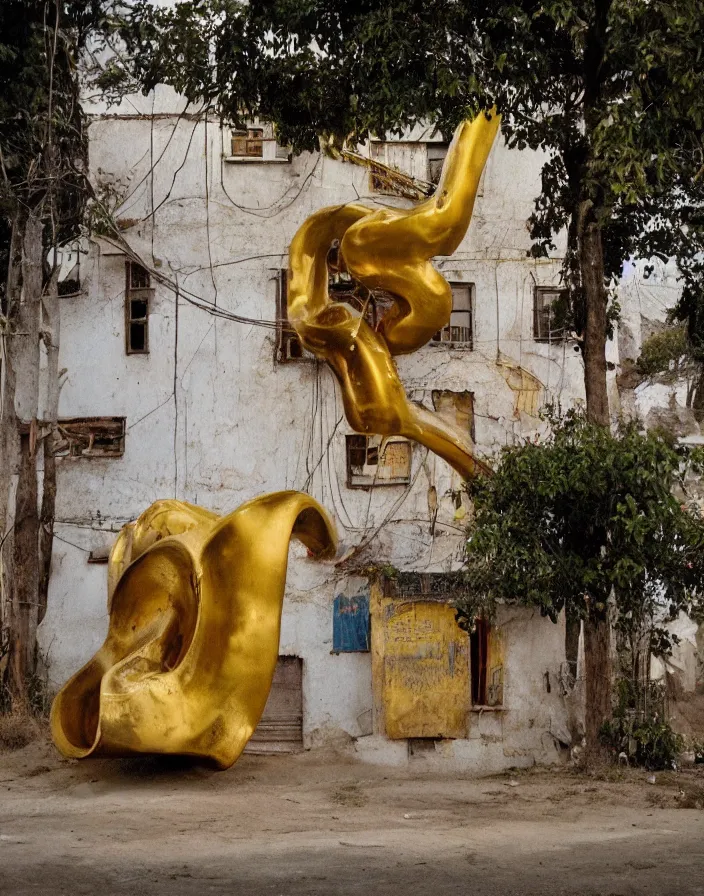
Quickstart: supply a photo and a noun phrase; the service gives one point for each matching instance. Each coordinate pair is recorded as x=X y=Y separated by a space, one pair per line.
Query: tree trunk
x=597 y=631
x=573 y=626
x=26 y=571
x=697 y=402
x=20 y=420
x=597 y=673
x=9 y=447
x=591 y=263
x=50 y=334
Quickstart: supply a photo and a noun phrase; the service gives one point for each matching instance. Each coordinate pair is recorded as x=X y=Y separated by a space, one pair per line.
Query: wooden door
x=280 y=729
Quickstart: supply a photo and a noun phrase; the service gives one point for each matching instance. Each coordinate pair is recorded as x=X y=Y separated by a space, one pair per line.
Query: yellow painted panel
x=426 y=670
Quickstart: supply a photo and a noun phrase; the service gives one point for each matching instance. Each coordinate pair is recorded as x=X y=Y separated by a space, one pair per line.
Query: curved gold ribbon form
x=389 y=249
x=195 y=613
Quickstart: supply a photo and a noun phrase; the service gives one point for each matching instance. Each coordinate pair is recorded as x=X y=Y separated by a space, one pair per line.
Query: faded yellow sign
x=425 y=670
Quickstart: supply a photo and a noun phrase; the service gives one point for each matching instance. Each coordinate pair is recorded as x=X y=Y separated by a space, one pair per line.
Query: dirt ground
x=323 y=823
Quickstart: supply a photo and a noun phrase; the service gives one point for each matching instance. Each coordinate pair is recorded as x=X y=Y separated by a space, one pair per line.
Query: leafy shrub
x=650 y=742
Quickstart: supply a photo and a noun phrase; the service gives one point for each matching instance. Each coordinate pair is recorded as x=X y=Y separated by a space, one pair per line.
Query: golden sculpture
x=195 y=610
x=389 y=249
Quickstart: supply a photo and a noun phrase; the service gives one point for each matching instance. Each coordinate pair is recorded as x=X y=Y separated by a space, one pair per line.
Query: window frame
x=365 y=481
x=340 y=290
x=482 y=671
x=137 y=294
x=286 y=336
x=540 y=309
x=253 y=151
x=463 y=344
x=78 y=424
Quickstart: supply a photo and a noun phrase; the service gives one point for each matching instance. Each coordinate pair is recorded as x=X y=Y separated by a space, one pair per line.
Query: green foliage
x=583 y=515
x=664 y=352
x=650 y=742
x=43 y=144
x=612 y=92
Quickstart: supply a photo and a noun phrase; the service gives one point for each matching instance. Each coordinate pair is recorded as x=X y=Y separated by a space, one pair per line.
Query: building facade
x=182 y=380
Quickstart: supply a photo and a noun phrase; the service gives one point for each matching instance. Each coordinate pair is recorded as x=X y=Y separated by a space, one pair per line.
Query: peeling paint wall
x=212 y=419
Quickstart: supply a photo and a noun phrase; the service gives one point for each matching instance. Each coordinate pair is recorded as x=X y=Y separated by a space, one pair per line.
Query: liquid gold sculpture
x=389 y=249
x=195 y=610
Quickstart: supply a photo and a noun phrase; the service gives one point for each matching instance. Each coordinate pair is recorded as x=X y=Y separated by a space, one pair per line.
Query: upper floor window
x=249 y=142
x=549 y=312
x=459 y=332
x=371 y=304
x=399 y=168
x=255 y=142
x=138 y=296
x=374 y=460
x=436 y=159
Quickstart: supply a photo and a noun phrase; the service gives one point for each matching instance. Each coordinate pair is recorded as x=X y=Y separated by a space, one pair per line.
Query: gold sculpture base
x=195 y=611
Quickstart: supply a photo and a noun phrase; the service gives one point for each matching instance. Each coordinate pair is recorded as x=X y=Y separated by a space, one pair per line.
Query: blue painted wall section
x=350 y=623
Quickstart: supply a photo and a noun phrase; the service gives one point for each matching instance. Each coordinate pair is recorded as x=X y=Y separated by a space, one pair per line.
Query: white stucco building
x=206 y=408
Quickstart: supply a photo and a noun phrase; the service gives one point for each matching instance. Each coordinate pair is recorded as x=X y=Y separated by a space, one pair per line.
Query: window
x=91 y=437
x=248 y=143
x=459 y=332
x=137 y=298
x=374 y=460
x=549 y=312
x=436 y=159
x=288 y=345
x=373 y=305
x=254 y=142
x=486 y=666
x=399 y=168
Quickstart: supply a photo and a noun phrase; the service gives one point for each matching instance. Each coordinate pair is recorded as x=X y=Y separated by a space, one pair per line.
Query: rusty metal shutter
x=280 y=729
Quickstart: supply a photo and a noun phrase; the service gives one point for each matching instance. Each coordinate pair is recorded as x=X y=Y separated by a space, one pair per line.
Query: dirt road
x=326 y=824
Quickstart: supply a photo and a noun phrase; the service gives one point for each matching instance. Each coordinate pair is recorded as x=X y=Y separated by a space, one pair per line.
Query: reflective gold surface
x=389 y=249
x=195 y=610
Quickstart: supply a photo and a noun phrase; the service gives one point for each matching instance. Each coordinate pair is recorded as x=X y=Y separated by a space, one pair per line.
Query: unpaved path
x=325 y=824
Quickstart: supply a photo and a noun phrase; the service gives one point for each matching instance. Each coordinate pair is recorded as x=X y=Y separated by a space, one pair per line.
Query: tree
x=43 y=195
x=583 y=519
x=611 y=90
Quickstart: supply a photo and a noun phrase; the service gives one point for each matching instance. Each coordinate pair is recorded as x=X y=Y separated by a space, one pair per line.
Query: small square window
x=249 y=143
x=375 y=461
x=549 y=313
x=459 y=332
x=138 y=276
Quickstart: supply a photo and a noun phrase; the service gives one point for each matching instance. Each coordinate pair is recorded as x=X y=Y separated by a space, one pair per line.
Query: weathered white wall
x=212 y=419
